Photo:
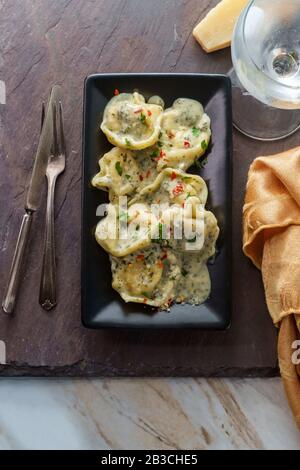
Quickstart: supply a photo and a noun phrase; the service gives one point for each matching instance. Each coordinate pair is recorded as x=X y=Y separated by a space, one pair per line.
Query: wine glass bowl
x=266 y=60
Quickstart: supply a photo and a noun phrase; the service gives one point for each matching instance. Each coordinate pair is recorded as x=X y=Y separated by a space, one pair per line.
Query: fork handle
x=16 y=267
x=48 y=280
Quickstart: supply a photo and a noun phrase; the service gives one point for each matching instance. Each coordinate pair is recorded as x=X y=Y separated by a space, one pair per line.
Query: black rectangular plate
x=102 y=307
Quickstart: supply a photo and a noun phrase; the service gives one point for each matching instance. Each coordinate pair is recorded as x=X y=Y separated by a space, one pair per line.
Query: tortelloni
x=151 y=264
x=160 y=242
x=124 y=172
x=148 y=276
x=131 y=123
x=185 y=134
x=119 y=173
x=175 y=187
x=124 y=232
x=158 y=206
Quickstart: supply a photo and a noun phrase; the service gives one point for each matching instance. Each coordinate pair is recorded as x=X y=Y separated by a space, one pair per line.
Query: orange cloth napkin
x=271 y=239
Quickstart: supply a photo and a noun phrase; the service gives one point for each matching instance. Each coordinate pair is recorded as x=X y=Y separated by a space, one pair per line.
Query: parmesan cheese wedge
x=214 y=32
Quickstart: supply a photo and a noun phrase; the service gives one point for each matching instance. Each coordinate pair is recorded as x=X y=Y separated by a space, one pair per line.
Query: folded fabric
x=271 y=239
x=288 y=334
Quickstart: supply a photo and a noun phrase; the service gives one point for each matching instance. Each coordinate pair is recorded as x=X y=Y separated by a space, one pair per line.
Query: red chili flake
x=178 y=189
x=148 y=174
x=140 y=257
x=141 y=177
x=161 y=155
x=160 y=264
x=149 y=113
x=164 y=256
x=187 y=144
x=116 y=92
x=138 y=111
x=182 y=204
x=169 y=302
x=173 y=175
x=145 y=301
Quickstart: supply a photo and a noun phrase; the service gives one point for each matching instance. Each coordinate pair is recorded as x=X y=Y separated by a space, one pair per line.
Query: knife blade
x=32 y=201
x=42 y=154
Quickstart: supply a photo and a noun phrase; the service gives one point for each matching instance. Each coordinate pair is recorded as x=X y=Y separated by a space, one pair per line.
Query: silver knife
x=32 y=201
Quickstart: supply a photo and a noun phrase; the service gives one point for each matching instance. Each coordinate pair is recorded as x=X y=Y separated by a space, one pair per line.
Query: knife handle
x=16 y=267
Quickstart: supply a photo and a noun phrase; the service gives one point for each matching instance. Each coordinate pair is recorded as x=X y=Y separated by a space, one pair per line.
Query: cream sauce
x=156 y=270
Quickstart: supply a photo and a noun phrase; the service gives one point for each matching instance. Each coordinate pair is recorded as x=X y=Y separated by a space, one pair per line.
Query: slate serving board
x=62 y=41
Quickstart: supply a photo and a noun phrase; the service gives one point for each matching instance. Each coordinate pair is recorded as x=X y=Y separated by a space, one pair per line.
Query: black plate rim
x=223 y=324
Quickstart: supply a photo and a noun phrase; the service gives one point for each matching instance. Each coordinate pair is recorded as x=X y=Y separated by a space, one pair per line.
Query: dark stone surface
x=43 y=42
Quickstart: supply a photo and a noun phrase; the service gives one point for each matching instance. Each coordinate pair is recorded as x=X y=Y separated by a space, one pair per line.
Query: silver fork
x=55 y=167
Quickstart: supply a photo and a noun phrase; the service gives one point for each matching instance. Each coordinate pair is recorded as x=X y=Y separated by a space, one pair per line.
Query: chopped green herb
x=294 y=55
x=202 y=163
x=146 y=294
x=160 y=235
x=119 y=168
x=160 y=231
x=128 y=177
x=159 y=135
x=159 y=144
x=137 y=227
x=203 y=145
x=192 y=240
x=188 y=195
x=196 y=131
x=184 y=272
x=127 y=142
x=123 y=216
x=143 y=118
x=154 y=154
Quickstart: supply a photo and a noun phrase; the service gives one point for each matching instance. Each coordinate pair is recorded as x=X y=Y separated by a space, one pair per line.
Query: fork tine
x=55 y=138
x=62 y=131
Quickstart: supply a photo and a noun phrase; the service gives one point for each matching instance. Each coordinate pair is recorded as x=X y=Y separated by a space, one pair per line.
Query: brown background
x=48 y=41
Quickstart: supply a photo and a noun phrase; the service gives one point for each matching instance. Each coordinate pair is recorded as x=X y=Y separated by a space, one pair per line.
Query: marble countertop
x=145 y=414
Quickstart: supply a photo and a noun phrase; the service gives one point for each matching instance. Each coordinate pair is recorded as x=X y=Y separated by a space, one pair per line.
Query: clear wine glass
x=266 y=74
